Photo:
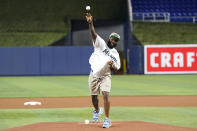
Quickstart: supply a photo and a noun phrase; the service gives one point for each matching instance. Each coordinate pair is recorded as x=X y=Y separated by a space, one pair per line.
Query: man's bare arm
x=91 y=26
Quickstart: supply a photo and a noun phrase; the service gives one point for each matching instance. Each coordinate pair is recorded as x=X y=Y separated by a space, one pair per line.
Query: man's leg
x=105 y=88
x=94 y=86
x=98 y=111
x=106 y=103
x=106 y=122
x=95 y=102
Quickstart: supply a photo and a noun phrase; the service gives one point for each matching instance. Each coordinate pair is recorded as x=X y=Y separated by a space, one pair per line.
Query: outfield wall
x=45 y=61
x=163 y=59
x=73 y=60
x=135 y=62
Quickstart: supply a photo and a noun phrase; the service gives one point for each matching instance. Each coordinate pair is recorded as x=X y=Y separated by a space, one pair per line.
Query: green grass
x=54 y=16
x=122 y=85
x=165 y=33
x=51 y=11
x=29 y=38
x=186 y=117
x=37 y=16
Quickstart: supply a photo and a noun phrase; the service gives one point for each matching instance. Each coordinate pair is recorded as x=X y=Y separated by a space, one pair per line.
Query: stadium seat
x=187 y=9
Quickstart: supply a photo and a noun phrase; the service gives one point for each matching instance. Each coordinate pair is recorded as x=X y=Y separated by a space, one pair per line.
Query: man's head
x=113 y=40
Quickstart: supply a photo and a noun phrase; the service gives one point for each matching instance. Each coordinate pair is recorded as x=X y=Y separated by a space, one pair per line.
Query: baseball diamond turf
x=185 y=117
x=122 y=85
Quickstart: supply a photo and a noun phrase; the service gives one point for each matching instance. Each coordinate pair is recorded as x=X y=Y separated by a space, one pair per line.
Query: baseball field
x=138 y=103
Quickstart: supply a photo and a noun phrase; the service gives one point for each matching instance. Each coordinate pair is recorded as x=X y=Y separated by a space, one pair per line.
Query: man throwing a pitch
x=103 y=60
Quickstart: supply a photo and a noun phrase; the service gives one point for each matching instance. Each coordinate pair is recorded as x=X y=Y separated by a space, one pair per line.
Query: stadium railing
x=154 y=17
x=162 y=17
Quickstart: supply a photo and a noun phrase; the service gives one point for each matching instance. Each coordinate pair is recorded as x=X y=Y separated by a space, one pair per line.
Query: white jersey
x=101 y=56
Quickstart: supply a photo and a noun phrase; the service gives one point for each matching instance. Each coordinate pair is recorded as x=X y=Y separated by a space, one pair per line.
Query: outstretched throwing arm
x=89 y=19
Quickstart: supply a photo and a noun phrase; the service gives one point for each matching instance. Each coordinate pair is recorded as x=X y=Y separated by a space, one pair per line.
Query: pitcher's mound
x=116 y=126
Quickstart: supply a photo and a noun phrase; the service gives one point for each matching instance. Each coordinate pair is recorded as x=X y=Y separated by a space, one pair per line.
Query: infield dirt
x=117 y=126
x=74 y=102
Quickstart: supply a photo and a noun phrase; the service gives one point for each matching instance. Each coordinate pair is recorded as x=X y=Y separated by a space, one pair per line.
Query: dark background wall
x=81 y=35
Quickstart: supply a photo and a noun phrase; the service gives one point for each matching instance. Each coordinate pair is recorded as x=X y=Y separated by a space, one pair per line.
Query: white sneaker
x=106 y=123
x=96 y=115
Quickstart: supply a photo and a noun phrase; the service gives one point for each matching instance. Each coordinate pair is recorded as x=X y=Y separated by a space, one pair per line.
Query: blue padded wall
x=20 y=61
x=136 y=60
x=69 y=60
x=45 y=61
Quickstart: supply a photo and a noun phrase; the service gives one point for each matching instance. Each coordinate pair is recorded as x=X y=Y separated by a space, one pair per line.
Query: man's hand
x=89 y=18
x=111 y=66
x=110 y=63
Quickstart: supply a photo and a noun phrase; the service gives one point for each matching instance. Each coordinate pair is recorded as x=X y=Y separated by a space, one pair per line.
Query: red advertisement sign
x=170 y=59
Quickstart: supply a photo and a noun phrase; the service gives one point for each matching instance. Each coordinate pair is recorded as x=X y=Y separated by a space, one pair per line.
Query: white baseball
x=88 y=8
x=87 y=121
